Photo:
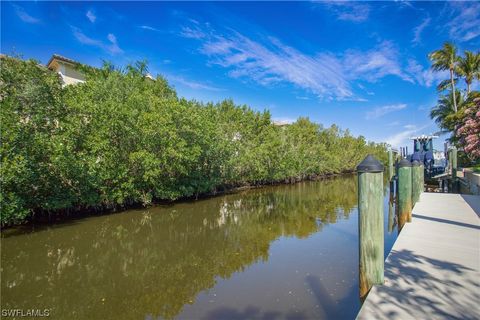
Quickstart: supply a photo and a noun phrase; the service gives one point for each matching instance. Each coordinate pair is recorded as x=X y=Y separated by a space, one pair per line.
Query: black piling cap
x=404 y=163
x=370 y=164
x=416 y=163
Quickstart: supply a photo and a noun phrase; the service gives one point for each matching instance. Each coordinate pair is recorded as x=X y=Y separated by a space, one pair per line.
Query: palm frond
x=446 y=84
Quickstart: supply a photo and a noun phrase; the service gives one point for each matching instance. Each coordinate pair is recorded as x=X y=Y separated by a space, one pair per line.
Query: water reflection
x=162 y=262
x=392 y=215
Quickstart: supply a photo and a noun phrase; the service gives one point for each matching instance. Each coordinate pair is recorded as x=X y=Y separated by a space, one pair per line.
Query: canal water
x=281 y=252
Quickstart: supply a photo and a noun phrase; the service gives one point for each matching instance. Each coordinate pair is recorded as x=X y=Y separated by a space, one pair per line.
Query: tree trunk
x=468 y=88
x=453 y=91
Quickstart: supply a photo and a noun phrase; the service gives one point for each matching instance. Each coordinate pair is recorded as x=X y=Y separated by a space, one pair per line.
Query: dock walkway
x=433 y=270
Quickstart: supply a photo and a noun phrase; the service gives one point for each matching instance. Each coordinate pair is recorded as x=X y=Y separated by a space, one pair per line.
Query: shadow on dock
x=439 y=288
x=473 y=202
x=460 y=224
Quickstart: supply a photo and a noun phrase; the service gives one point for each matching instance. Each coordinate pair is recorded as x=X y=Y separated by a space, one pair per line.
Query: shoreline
x=44 y=219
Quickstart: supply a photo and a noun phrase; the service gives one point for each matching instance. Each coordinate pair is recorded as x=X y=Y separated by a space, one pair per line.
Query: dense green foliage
x=122 y=138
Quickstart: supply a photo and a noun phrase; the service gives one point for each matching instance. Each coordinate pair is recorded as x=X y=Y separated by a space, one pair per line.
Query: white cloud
x=112 y=47
x=24 y=16
x=417 y=31
x=112 y=38
x=370 y=93
x=275 y=62
x=348 y=11
x=410 y=126
x=270 y=61
x=148 y=28
x=464 y=19
x=85 y=39
x=425 y=77
x=403 y=138
x=194 y=33
x=191 y=84
x=374 y=64
x=359 y=99
x=404 y=4
x=381 y=111
x=91 y=16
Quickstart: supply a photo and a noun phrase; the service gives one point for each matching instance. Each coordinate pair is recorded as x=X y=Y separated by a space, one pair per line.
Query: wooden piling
x=370 y=216
x=417 y=183
x=449 y=153
x=390 y=164
x=404 y=193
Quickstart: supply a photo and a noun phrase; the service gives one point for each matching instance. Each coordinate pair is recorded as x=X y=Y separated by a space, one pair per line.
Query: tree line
x=121 y=139
x=458 y=111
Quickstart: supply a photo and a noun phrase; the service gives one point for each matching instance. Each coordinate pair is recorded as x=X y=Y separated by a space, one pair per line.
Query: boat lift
x=434 y=161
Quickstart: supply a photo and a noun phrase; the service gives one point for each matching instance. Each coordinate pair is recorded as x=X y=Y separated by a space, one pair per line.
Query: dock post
x=370 y=223
x=391 y=172
x=454 y=162
x=404 y=194
x=449 y=155
x=417 y=184
x=395 y=177
x=390 y=164
x=455 y=186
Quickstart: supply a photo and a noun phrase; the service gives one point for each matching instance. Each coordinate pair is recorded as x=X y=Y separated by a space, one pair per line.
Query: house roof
x=57 y=57
x=60 y=58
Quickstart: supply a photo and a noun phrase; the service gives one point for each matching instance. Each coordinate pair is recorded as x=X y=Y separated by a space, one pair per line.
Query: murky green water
x=283 y=252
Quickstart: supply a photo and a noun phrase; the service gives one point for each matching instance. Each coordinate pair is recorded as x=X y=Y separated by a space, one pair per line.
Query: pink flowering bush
x=468 y=131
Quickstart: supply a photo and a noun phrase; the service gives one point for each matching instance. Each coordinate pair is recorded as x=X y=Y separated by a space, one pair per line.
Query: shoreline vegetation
x=122 y=139
x=67 y=216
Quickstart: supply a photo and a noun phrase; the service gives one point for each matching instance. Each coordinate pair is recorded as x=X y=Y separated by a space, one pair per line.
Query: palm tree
x=444 y=110
x=469 y=68
x=446 y=84
x=446 y=59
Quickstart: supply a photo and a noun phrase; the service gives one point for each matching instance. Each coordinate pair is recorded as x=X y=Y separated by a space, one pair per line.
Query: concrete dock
x=433 y=270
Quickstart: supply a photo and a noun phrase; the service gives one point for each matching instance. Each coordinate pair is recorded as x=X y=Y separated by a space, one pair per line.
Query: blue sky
x=360 y=65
